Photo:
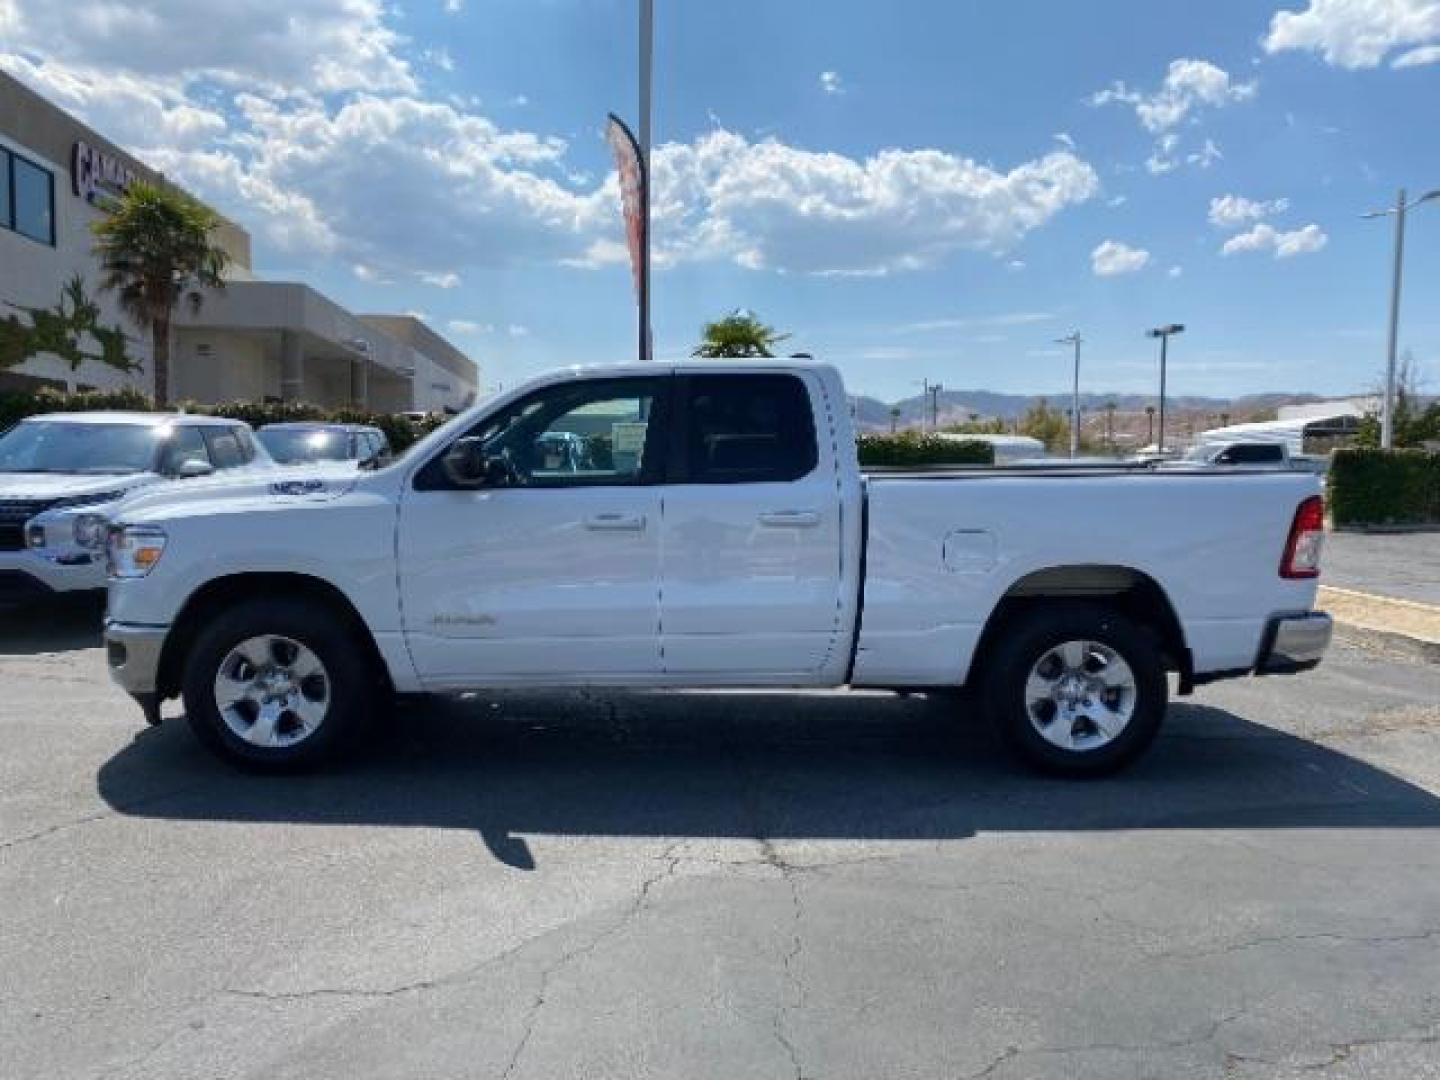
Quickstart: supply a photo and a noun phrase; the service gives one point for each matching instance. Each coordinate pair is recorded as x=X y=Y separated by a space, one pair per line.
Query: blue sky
x=914 y=190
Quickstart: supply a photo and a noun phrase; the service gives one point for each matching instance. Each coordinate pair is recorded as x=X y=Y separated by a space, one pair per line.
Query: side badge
x=297 y=487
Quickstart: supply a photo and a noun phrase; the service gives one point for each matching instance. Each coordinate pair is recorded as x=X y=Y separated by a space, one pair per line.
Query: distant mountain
x=957 y=406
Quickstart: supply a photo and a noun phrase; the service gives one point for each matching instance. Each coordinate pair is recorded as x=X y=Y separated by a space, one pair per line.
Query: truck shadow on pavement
x=759 y=766
x=59 y=624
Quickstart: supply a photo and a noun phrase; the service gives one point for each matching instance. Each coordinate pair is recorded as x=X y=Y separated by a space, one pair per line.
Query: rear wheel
x=1076 y=689
x=276 y=684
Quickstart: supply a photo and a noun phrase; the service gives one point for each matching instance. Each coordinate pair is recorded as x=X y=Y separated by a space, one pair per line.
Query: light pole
x=1163 y=333
x=932 y=395
x=1387 y=417
x=1073 y=338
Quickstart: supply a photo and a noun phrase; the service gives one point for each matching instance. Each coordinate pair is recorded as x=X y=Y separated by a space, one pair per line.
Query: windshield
x=41 y=447
x=290 y=447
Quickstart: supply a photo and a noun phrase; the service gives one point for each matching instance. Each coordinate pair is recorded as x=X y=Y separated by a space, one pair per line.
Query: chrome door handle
x=616 y=523
x=794 y=519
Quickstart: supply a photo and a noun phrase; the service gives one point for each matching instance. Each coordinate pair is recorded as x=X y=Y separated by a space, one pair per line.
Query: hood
x=268 y=484
x=49 y=486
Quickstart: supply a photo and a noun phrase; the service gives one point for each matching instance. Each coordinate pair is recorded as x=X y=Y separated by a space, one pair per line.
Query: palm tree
x=156 y=247
x=894 y=418
x=1150 y=424
x=739 y=334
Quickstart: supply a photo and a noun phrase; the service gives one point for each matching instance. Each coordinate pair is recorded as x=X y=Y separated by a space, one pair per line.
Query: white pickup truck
x=717 y=531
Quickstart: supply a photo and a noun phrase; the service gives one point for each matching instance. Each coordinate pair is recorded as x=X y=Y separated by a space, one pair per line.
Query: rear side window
x=1254 y=454
x=227 y=449
x=747 y=429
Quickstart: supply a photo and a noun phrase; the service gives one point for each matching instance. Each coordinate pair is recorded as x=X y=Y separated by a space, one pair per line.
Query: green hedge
x=400 y=431
x=912 y=448
x=1380 y=487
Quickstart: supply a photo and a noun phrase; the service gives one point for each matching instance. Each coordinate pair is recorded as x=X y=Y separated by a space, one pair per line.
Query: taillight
x=1307 y=534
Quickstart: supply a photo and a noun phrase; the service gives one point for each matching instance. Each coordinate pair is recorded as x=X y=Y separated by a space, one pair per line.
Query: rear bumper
x=133 y=654
x=1294 y=643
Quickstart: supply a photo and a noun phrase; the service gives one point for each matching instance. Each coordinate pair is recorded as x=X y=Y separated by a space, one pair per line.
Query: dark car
x=307 y=443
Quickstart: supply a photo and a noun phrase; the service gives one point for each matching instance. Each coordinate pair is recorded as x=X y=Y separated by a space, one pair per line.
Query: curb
x=1366 y=618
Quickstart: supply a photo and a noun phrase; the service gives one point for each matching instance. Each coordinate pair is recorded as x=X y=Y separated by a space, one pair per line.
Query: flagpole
x=647 y=50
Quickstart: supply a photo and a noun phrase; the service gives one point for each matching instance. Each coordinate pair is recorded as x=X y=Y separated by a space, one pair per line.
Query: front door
x=551 y=575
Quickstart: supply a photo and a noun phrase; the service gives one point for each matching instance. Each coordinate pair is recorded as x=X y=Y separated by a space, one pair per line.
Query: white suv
x=63 y=474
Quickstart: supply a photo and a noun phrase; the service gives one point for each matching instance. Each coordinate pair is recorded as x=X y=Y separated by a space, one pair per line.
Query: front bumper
x=75 y=571
x=133 y=653
x=1294 y=643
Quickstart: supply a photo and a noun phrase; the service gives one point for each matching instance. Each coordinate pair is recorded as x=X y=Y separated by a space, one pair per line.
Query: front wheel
x=276 y=684
x=1076 y=689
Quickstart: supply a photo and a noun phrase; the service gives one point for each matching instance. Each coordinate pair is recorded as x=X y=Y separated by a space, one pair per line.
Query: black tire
x=1026 y=640
x=350 y=681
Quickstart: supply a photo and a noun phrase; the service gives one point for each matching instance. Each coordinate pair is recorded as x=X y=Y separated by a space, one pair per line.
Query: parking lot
x=720 y=885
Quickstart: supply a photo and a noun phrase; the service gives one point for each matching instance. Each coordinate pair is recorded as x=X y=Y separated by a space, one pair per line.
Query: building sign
x=95 y=175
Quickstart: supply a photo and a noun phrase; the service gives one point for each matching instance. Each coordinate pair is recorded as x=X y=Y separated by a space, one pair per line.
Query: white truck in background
x=718 y=531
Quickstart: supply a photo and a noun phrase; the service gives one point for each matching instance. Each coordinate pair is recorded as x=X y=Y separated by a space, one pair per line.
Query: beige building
x=252 y=340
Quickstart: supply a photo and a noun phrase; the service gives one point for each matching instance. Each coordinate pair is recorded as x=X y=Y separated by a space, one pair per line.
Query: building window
x=27 y=198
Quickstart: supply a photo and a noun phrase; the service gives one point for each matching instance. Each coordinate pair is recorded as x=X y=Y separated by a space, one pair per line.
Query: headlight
x=131 y=551
x=89 y=531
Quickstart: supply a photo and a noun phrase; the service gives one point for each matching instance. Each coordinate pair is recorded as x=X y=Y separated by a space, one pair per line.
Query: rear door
x=751 y=545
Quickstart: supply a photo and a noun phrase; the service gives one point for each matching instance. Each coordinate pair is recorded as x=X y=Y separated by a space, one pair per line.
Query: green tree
x=156 y=247
x=739 y=334
x=894 y=418
x=1048 y=425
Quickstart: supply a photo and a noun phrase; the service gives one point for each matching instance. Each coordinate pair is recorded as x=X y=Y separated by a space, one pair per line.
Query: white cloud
x=1111 y=257
x=468 y=326
x=1265 y=237
x=333 y=151
x=452 y=7
x=1175 y=271
x=516 y=330
x=1189 y=86
x=447 y=280
x=1427 y=54
x=302 y=45
x=1360 y=33
x=1206 y=156
x=975 y=322
x=831 y=83
x=1064 y=139
x=1236 y=211
x=770 y=205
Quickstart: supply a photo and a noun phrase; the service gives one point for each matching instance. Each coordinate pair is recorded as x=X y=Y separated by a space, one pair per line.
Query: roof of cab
x=136 y=419
x=316 y=425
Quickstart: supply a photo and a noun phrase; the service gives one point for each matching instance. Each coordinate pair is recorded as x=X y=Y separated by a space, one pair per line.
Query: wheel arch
x=219 y=593
x=1126 y=589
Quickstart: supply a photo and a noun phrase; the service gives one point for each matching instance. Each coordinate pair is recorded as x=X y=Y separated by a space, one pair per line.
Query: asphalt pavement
x=1405 y=566
x=720 y=885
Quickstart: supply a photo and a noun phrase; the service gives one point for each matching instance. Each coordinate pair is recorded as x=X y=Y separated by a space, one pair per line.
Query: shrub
x=1376 y=487
x=400 y=431
x=913 y=448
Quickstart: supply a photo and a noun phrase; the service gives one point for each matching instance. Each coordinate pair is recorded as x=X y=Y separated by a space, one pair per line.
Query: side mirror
x=467 y=465
x=193 y=467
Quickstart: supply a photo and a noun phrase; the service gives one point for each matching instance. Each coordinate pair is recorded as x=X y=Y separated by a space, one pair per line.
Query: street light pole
x=1073 y=338
x=1387 y=416
x=1163 y=333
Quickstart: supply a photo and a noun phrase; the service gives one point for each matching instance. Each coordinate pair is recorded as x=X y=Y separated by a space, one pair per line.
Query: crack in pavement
x=1339 y=1053
x=102 y=815
x=637 y=906
x=1286 y=939
x=1013 y=1052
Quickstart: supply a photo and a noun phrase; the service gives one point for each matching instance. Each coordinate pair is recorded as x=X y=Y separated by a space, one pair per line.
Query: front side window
x=226 y=449
x=33 y=199
x=69 y=447
x=747 y=429
x=578 y=434
x=182 y=444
